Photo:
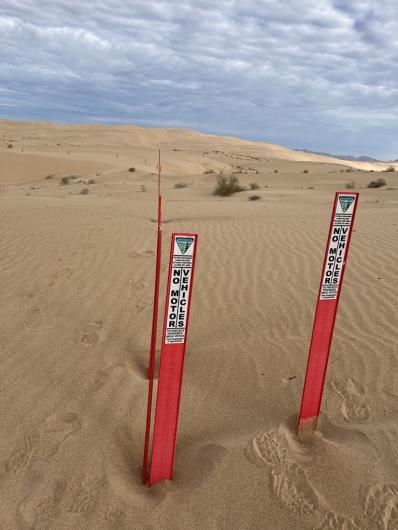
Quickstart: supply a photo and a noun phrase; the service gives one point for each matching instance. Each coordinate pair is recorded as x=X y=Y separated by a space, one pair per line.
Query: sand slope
x=75 y=313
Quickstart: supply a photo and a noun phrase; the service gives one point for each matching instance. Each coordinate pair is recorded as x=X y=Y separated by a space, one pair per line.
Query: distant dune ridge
x=76 y=289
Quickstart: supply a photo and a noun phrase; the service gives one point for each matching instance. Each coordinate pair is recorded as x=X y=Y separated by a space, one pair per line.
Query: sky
x=313 y=74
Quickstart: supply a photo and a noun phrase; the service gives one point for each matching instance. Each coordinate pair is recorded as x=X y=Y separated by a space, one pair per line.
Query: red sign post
x=340 y=231
x=152 y=350
x=175 y=331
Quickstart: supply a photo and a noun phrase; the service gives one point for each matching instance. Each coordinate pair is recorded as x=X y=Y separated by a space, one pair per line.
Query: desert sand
x=76 y=290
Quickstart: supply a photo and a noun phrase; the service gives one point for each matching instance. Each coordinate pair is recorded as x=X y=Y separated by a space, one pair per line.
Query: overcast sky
x=316 y=74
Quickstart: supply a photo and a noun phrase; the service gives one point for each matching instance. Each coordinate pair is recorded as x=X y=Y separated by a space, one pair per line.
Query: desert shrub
x=91 y=181
x=310 y=188
x=48 y=177
x=390 y=169
x=68 y=178
x=350 y=185
x=84 y=191
x=208 y=172
x=227 y=185
x=179 y=185
x=254 y=186
x=349 y=170
x=254 y=197
x=305 y=171
x=377 y=183
x=275 y=171
x=132 y=169
x=10 y=146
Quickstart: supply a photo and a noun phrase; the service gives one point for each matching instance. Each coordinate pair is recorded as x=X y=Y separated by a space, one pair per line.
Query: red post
x=338 y=243
x=155 y=311
x=175 y=331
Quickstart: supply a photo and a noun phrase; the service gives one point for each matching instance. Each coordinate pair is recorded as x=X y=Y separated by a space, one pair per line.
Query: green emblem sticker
x=345 y=202
x=184 y=243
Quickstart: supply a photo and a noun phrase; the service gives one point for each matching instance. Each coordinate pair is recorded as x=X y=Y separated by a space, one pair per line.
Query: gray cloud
x=318 y=74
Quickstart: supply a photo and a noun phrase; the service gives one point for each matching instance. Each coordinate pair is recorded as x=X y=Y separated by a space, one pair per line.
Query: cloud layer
x=318 y=74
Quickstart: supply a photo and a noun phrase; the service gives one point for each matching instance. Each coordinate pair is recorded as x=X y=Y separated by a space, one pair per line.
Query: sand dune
x=76 y=300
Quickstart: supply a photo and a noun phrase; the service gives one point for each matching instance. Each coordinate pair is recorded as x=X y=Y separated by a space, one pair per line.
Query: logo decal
x=184 y=243
x=345 y=202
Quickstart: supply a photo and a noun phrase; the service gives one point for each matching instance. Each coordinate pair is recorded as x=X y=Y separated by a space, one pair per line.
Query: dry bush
x=254 y=197
x=377 y=183
x=390 y=169
x=254 y=186
x=179 y=185
x=350 y=185
x=226 y=186
x=132 y=169
x=305 y=171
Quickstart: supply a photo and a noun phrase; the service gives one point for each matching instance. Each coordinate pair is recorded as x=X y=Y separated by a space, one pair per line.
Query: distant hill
x=362 y=158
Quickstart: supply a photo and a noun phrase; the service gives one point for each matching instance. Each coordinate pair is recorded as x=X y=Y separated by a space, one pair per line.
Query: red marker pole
x=152 y=351
x=344 y=209
x=175 y=331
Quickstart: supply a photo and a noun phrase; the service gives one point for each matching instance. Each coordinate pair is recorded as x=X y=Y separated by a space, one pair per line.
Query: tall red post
x=155 y=312
x=334 y=263
x=175 y=331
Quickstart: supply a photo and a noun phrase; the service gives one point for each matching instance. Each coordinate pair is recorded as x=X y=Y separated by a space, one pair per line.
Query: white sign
x=180 y=282
x=337 y=246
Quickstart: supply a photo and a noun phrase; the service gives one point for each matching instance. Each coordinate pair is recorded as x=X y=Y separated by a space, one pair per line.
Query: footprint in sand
x=113 y=518
x=381 y=506
x=33 y=318
x=333 y=521
x=44 y=443
x=61 y=275
x=39 y=511
x=353 y=407
x=290 y=484
x=99 y=381
x=271 y=447
x=83 y=496
x=90 y=333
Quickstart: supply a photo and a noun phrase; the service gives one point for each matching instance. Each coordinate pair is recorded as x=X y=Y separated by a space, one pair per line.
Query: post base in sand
x=306 y=428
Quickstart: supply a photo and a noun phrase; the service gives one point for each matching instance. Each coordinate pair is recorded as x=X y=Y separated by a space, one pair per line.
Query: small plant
x=92 y=181
x=65 y=180
x=208 y=172
x=275 y=171
x=350 y=185
x=305 y=171
x=254 y=197
x=10 y=146
x=50 y=177
x=310 y=188
x=254 y=186
x=377 y=183
x=84 y=191
x=390 y=169
x=226 y=186
x=132 y=169
x=179 y=185
x=349 y=170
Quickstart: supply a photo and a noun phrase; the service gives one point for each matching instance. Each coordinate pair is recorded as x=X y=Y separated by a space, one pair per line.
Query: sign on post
x=175 y=331
x=340 y=231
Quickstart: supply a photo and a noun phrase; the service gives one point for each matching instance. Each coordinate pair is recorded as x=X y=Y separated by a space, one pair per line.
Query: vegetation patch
x=226 y=186
x=377 y=183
